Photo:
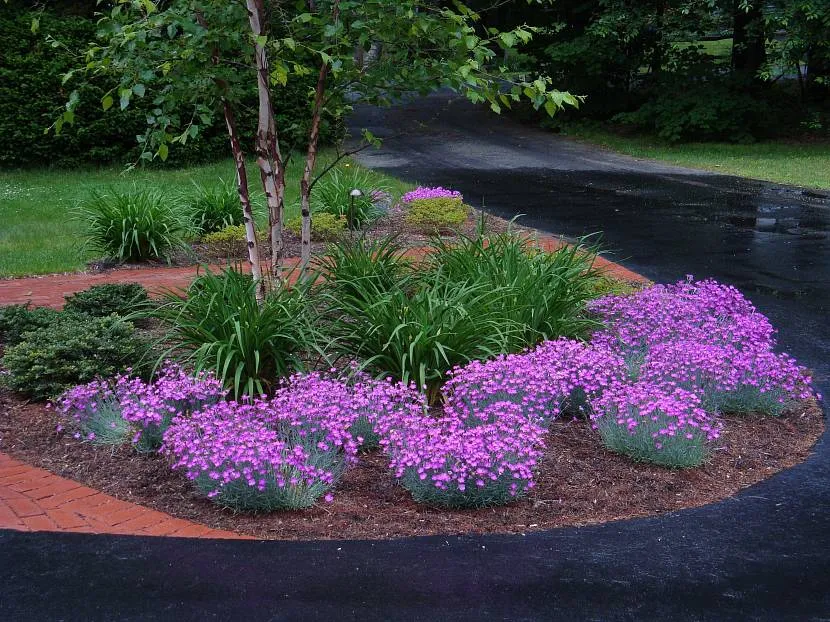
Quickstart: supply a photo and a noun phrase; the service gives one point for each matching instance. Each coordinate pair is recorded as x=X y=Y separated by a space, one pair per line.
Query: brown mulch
x=579 y=481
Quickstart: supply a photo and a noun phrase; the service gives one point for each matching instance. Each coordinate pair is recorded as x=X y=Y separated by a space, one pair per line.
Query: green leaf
x=139 y=90
x=106 y=102
x=35 y=25
x=163 y=151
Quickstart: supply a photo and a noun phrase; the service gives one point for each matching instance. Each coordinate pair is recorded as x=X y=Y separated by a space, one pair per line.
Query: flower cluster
x=93 y=413
x=150 y=407
x=729 y=379
x=706 y=312
x=557 y=375
x=280 y=453
x=693 y=350
x=650 y=423
x=248 y=457
x=423 y=192
x=480 y=459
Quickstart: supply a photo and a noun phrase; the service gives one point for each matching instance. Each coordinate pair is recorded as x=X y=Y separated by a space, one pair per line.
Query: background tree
x=192 y=58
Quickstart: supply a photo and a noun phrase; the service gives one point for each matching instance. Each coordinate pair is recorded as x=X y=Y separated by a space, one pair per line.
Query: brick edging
x=33 y=499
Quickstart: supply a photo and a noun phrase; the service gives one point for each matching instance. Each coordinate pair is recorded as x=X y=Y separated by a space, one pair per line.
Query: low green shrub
x=73 y=350
x=333 y=195
x=220 y=327
x=102 y=300
x=214 y=208
x=229 y=242
x=133 y=226
x=325 y=227
x=15 y=320
x=437 y=215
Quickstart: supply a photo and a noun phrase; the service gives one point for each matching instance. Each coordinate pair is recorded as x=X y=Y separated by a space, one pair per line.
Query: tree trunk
x=311 y=153
x=245 y=200
x=241 y=177
x=310 y=160
x=749 y=45
x=269 y=158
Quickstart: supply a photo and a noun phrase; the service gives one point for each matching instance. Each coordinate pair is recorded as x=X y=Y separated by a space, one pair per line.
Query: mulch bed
x=579 y=482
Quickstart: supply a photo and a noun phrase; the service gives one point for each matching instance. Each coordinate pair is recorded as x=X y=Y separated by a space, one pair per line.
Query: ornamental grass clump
x=470 y=460
x=264 y=455
x=546 y=292
x=151 y=407
x=92 y=412
x=649 y=423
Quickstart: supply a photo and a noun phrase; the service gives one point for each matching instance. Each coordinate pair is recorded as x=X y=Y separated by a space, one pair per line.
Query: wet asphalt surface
x=762 y=555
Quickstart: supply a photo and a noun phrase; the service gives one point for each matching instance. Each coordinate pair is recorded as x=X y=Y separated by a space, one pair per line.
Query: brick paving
x=32 y=499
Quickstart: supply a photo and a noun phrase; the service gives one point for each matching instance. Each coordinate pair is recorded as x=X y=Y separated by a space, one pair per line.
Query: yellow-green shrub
x=325 y=227
x=438 y=214
x=228 y=241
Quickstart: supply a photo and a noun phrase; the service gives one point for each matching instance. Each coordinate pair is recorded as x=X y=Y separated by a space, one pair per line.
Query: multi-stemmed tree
x=196 y=58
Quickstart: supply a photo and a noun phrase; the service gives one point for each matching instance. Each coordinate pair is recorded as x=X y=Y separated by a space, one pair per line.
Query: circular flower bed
x=653 y=384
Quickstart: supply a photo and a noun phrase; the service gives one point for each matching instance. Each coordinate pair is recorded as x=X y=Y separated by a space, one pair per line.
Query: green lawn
x=39 y=236
x=721 y=49
x=806 y=164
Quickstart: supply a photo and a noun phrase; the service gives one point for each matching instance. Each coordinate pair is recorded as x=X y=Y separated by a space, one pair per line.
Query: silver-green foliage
x=643 y=443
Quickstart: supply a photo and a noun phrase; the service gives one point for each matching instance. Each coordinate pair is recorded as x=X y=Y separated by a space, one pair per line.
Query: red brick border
x=32 y=499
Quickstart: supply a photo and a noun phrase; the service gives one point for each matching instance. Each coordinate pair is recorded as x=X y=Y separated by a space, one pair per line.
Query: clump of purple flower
x=423 y=192
x=650 y=423
x=556 y=375
x=150 y=407
x=464 y=459
x=693 y=350
x=92 y=412
x=282 y=453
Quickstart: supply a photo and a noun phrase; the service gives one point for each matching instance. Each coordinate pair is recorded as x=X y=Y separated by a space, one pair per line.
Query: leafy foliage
x=72 y=351
x=325 y=228
x=470 y=300
x=133 y=226
x=214 y=208
x=220 y=327
x=16 y=320
x=418 y=336
x=229 y=241
x=437 y=215
x=333 y=195
x=102 y=300
x=545 y=293
x=358 y=267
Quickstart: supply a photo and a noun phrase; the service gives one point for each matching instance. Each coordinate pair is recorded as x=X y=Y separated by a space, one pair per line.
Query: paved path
x=33 y=499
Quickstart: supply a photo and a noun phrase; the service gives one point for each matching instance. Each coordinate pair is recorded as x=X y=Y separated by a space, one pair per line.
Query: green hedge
x=32 y=97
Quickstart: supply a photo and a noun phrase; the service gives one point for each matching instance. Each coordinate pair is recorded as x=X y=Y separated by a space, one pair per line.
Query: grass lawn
x=806 y=164
x=39 y=236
